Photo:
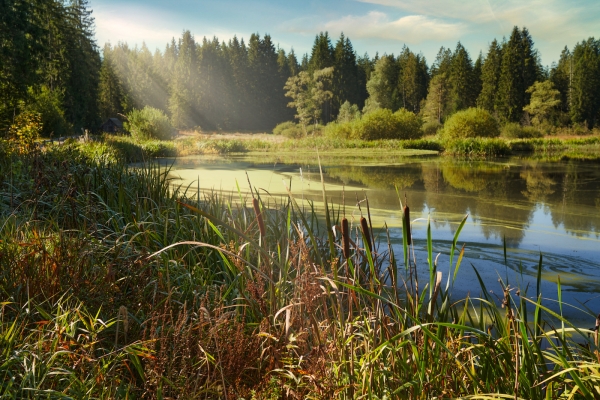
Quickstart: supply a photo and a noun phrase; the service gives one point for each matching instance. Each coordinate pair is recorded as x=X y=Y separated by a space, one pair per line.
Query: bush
x=477 y=147
x=383 y=124
x=48 y=103
x=431 y=127
x=339 y=130
x=149 y=123
x=314 y=130
x=470 y=123
x=348 y=112
x=516 y=131
x=283 y=126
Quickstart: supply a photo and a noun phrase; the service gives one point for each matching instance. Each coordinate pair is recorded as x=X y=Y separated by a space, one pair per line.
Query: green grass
x=116 y=285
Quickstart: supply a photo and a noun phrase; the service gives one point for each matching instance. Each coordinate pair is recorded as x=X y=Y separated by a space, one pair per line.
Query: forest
x=51 y=65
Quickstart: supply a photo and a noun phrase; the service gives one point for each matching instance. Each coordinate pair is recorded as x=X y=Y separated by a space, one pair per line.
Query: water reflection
x=534 y=206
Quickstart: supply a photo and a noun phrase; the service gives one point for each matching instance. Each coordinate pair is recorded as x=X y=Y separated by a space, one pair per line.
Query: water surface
x=534 y=207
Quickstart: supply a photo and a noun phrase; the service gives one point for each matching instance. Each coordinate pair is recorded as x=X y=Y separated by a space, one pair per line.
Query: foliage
x=48 y=104
x=348 y=112
x=477 y=147
x=309 y=93
x=544 y=101
x=431 y=127
x=512 y=130
x=379 y=124
x=470 y=123
x=125 y=286
x=283 y=126
x=26 y=130
x=148 y=123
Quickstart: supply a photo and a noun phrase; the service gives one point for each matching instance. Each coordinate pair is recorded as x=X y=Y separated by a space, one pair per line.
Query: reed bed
x=115 y=284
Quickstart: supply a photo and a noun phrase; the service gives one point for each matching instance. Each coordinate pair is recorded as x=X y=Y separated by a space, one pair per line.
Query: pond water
x=548 y=208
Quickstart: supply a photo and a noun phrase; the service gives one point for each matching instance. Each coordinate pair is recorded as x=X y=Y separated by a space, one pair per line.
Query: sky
x=383 y=26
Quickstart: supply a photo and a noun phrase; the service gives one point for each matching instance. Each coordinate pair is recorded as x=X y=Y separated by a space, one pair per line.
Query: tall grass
x=123 y=286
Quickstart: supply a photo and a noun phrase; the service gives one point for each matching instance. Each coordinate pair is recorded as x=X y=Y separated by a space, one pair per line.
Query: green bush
x=294 y=132
x=431 y=127
x=348 y=112
x=383 y=124
x=283 y=126
x=314 y=130
x=339 y=130
x=516 y=131
x=48 y=103
x=470 y=123
x=148 y=123
x=477 y=147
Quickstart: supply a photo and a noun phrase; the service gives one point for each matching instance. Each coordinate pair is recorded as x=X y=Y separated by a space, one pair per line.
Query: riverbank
x=116 y=286
x=550 y=148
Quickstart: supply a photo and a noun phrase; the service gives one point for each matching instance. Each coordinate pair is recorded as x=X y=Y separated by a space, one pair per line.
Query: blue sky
x=372 y=25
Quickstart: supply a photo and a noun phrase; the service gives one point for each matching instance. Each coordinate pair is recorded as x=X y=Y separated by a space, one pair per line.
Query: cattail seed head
x=345 y=238
x=259 y=218
x=366 y=233
x=406 y=221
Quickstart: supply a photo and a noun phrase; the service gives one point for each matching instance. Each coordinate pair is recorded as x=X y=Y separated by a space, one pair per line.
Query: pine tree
x=322 y=54
x=183 y=98
x=585 y=86
x=532 y=70
x=412 y=80
x=490 y=75
x=436 y=104
x=477 y=84
x=345 y=84
x=510 y=99
x=110 y=91
x=561 y=75
x=460 y=79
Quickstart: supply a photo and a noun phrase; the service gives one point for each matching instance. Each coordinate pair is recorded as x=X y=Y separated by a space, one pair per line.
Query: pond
x=535 y=207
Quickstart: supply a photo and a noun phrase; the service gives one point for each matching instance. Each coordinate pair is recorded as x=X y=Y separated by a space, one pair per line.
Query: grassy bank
x=587 y=148
x=115 y=286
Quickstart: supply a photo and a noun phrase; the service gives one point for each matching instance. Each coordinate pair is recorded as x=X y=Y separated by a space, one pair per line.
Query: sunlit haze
x=382 y=26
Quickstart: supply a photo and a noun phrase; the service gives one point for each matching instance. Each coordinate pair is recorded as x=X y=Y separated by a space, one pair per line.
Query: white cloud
x=550 y=19
x=412 y=29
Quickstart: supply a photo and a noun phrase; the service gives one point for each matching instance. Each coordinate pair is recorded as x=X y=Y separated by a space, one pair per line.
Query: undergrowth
x=115 y=284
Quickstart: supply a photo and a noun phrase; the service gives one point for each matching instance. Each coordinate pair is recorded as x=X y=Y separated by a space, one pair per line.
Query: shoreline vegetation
x=549 y=148
x=116 y=285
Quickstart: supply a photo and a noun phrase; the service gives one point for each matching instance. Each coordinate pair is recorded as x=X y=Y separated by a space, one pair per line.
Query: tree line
x=52 y=65
x=49 y=63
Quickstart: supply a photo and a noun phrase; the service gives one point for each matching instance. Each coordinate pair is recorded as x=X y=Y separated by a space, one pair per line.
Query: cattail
x=345 y=238
x=365 y=231
x=261 y=223
x=406 y=221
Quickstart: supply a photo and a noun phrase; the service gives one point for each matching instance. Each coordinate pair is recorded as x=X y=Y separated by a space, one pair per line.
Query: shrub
x=339 y=130
x=283 y=126
x=431 y=127
x=149 y=123
x=348 y=112
x=470 y=123
x=293 y=132
x=383 y=124
x=48 y=103
x=314 y=130
x=477 y=147
x=516 y=131
x=26 y=130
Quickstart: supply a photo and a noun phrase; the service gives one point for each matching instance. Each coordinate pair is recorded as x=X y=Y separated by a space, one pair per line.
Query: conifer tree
x=585 y=86
x=510 y=98
x=461 y=81
x=345 y=84
x=561 y=75
x=490 y=75
x=412 y=80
